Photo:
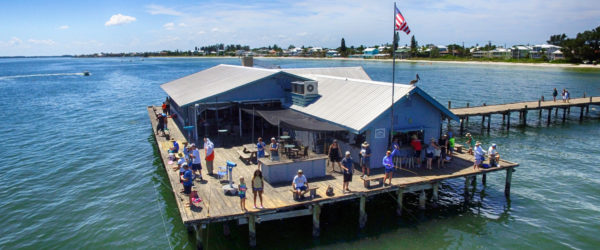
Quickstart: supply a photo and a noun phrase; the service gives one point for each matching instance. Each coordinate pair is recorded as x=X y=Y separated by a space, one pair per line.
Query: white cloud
x=42 y=42
x=215 y=29
x=161 y=10
x=169 y=26
x=119 y=19
x=182 y=24
x=63 y=27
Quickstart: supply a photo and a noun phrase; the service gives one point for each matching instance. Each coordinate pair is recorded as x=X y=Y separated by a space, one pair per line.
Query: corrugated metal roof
x=352 y=103
x=346 y=72
x=212 y=81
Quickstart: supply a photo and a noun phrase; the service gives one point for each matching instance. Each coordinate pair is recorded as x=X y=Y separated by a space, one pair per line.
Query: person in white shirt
x=300 y=184
x=196 y=161
x=494 y=156
x=479 y=155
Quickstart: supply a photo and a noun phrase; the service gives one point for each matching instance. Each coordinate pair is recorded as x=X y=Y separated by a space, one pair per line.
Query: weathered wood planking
x=533 y=105
x=218 y=207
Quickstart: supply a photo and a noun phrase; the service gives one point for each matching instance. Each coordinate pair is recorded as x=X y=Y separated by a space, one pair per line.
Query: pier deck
x=278 y=200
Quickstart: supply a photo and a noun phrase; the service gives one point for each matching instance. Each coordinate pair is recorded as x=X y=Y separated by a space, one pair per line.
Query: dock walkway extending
x=486 y=111
x=278 y=200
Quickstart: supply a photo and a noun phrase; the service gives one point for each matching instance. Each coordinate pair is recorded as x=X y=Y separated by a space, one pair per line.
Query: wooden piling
x=467 y=178
x=482 y=120
x=556 y=112
x=549 y=116
x=525 y=116
x=198 y=234
x=461 y=125
x=483 y=179
x=564 y=114
x=252 y=230
x=587 y=109
x=362 y=219
x=399 y=199
x=569 y=110
x=488 y=125
x=434 y=195
x=508 y=121
x=509 y=172
x=422 y=199
x=468 y=116
x=316 y=220
x=581 y=114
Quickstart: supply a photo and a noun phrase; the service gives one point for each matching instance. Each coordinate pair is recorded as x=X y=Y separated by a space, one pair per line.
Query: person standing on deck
x=196 y=162
x=493 y=155
x=186 y=149
x=186 y=179
x=451 y=143
x=209 y=152
x=260 y=151
x=388 y=163
x=365 y=159
x=479 y=155
x=300 y=184
x=242 y=193
x=415 y=143
x=164 y=107
x=567 y=95
x=443 y=143
x=554 y=94
x=347 y=167
x=274 y=150
x=334 y=155
x=564 y=95
x=429 y=152
x=168 y=107
x=160 y=126
x=470 y=143
x=257 y=187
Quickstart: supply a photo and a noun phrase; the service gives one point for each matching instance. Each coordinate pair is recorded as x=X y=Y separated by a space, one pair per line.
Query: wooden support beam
x=509 y=172
x=399 y=199
x=435 y=196
x=198 y=234
x=362 y=218
x=474 y=182
x=467 y=188
x=549 y=116
x=462 y=125
x=525 y=116
x=556 y=112
x=422 y=199
x=508 y=121
x=488 y=125
x=503 y=118
x=587 y=109
x=581 y=114
x=482 y=120
x=564 y=114
x=483 y=179
x=252 y=230
x=569 y=110
x=316 y=220
x=468 y=116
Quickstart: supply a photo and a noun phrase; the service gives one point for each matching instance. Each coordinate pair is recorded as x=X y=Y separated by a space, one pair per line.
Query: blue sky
x=76 y=27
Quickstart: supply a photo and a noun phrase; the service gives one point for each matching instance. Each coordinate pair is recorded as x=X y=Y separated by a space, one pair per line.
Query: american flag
x=401 y=22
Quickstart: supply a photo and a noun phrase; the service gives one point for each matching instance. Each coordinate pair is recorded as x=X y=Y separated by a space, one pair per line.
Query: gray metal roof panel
x=346 y=72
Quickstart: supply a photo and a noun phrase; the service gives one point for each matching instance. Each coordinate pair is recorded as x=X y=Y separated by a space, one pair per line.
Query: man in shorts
x=196 y=161
x=347 y=166
x=300 y=183
x=186 y=178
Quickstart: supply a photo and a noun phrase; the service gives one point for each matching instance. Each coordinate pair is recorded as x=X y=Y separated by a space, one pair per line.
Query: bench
x=312 y=191
x=458 y=147
x=244 y=156
x=377 y=178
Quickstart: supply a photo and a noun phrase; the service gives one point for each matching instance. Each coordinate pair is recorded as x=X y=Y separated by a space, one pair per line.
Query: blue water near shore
x=80 y=169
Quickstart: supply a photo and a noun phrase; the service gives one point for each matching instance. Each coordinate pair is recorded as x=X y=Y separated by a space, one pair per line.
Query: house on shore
x=312 y=105
x=370 y=52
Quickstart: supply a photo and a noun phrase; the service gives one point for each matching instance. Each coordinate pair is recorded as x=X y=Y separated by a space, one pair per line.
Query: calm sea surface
x=79 y=167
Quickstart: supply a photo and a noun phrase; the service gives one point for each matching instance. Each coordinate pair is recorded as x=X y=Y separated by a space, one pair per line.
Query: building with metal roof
x=211 y=102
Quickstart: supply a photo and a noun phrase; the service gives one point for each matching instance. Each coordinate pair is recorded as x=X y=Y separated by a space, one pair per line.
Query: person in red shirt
x=415 y=143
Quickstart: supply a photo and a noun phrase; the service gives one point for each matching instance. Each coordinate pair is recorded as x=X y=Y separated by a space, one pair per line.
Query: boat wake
x=40 y=75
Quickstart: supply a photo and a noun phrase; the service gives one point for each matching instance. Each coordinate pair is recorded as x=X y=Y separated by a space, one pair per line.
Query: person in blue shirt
x=175 y=148
x=274 y=150
x=187 y=180
x=260 y=153
x=347 y=166
x=388 y=163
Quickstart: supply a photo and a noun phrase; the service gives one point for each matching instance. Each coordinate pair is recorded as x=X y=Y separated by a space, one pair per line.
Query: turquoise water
x=80 y=170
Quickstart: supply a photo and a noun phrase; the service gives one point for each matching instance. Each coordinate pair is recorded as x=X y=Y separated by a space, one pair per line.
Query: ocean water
x=80 y=169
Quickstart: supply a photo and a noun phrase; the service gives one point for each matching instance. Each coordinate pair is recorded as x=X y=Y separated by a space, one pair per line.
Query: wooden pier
x=523 y=108
x=278 y=200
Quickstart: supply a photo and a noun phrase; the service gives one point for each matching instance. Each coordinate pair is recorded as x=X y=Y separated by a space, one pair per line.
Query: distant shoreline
x=546 y=65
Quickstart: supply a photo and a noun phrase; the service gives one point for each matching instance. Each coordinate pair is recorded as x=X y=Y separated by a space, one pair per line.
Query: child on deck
x=242 y=193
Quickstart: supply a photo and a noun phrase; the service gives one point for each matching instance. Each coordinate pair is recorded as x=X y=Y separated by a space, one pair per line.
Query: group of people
x=566 y=96
x=189 y=163
x=257 y=184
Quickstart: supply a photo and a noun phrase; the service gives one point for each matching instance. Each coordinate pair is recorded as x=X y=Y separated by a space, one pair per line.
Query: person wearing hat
x=388 y=163
x=365 y=159
x=494 y=156
x=186 y=179
x=300 y=184
x=274 y=149
x=479 y=155
x=347 y=166
x=180 y=160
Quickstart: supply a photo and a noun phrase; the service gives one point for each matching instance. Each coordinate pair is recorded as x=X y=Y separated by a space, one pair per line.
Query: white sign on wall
x=379 y=133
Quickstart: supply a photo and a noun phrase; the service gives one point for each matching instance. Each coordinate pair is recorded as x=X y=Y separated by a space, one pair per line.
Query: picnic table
x=289 y=149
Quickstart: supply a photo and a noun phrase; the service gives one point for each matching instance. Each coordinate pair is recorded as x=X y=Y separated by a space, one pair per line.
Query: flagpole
x=393 y=76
